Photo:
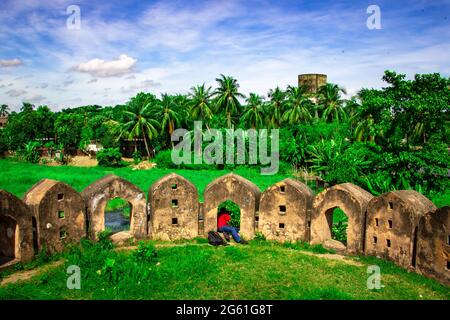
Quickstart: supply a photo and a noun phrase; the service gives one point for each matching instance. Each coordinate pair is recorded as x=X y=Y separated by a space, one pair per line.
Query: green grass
x=17 y=177
x=261 y=270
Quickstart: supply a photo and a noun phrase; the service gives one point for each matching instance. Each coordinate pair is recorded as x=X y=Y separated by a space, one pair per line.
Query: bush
x=109 y=157
x=29 y=153
x=145 y=252
x=137 y=157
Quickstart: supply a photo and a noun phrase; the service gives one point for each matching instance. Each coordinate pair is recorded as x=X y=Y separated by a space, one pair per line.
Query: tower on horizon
x=313 y=81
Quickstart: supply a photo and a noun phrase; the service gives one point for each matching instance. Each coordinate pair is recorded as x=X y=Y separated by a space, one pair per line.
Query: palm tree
x=166 y=110
x=200 y=106
x=253 y=115
x=227 y=95
x=276 y=106
x=365 y=116
x=141 y=123
x=298 y=105
x=4 y=110
x=329 y=100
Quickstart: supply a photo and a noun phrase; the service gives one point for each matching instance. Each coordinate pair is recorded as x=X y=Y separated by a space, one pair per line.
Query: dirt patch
x=144 y=165
x=28 y=274
x=83 y=161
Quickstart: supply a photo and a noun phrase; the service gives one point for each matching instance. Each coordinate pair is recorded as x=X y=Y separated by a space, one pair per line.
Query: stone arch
x=353 y=201
x=16 y=234
x=60 y=213
x=237 y=189
x=174 y=208
x=97 y=194
x=285 y=211
x=433 y=247
x=392 y=225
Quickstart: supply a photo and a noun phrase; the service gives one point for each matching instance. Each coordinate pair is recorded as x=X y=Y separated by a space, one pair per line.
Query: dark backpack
x=215 y=239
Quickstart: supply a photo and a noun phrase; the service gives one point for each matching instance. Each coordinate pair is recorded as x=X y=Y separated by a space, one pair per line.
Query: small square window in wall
x=390 y=224
x=448 y=264
x=256 y=219
x=282 y=189
x=60 y=196
x=281 y=225
x=174 y=186
x=388 y=243
x=282 y=209
x=61 y=215
x=174 y=203
x=376 y=222
x=391 y=205
x=174 y=221
x=62 y=234
x=375 y=240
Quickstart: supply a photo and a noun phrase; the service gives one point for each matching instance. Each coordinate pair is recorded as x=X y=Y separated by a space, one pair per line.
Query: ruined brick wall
x=16 y=233
x=97 y=195
x=402 y=226
x=174 y=209
x=285 y=211
x=237 y=189
x=433 y=247
x=353 y=201
x=392 y=225
x=60 y=214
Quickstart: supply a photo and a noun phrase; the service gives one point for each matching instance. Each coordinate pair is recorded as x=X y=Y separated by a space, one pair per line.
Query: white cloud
x=36 y=98
x=101 y=68
x=10 y=63
x=15 y=93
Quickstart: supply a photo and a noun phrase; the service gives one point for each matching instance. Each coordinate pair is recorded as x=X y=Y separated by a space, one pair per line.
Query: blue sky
x=124 y=47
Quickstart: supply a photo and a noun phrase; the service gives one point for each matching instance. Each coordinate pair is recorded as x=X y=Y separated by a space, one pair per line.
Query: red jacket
x=223 y=220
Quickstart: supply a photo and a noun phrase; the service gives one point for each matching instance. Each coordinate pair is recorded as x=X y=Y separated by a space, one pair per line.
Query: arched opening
x=234 y=211
x=8 y=234
x=338 y=223
x=117 y=215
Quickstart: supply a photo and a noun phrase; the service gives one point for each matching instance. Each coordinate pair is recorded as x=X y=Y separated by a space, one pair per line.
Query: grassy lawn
x=17 y=177
x=261 y=270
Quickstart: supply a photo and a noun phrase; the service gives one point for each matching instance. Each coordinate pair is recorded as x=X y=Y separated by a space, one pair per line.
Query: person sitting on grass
x=225 y=228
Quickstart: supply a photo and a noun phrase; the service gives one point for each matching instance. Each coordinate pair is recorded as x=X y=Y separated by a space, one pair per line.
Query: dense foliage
x=396 y=137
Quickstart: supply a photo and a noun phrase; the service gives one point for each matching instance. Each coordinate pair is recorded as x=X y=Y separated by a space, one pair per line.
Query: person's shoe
x=227 y=236
x=243 y=241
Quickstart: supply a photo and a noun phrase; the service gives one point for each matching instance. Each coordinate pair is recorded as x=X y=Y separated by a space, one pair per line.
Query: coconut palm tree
x=276 y=107
x=140 y=121
x=227 y=95
x=4 y=110
x=253 y=115
x=298 y=105
x=200 y=105
x=330 y=102
x=166 y=110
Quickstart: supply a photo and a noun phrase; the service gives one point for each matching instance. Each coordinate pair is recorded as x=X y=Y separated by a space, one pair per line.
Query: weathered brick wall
x=401 y=226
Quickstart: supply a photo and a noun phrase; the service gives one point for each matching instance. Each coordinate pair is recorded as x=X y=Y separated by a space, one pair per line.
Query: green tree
x=330 y=102
x=227 y=95
x=4 y=110
x=253 y=115
x=200 y=105
x=276 y=107
x=140 y=120
x=166 y=110
x=298 y=106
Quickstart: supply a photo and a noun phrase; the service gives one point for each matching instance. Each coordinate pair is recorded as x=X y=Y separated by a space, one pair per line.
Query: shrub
x=109 y=157
x=29 y=153
x=145 y=252
x=137 y=157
